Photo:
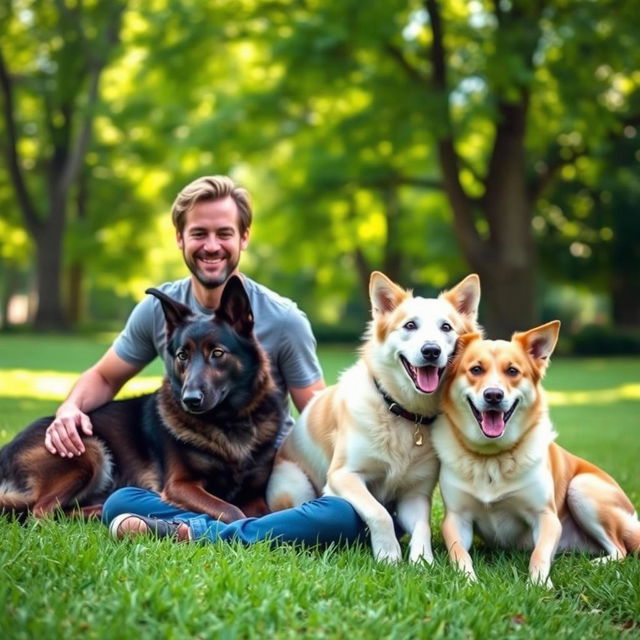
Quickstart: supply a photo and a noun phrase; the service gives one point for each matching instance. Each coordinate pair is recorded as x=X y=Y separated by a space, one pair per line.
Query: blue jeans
x=324 y=520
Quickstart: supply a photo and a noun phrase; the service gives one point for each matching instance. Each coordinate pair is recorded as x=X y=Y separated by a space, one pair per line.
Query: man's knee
x=335 y=518
x=119 y=502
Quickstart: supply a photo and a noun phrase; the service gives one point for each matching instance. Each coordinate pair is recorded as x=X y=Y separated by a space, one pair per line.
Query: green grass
x=69 y=579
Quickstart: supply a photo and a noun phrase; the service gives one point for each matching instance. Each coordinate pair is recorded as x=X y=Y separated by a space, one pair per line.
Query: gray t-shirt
x=282 y=329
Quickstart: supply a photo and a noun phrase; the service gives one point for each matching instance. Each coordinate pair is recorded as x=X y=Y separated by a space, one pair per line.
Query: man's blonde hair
x=211 y=188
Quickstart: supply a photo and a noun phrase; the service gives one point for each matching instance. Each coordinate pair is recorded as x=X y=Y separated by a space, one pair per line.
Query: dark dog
x=205 y=439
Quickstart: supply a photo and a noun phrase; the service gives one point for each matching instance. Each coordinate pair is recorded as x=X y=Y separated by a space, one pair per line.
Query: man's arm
x=94 y=387
x=302 y=395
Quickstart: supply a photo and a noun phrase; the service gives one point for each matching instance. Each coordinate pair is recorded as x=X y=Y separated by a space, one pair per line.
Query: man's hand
x=95 y=387
x=62 y=436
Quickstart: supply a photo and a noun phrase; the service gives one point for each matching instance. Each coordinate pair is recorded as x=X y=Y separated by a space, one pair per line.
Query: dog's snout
x=193 y=399
x=493 y=395
x=430 y=351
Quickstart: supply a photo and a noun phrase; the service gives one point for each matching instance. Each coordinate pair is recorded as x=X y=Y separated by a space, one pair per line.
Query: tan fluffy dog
x=503 y=475
x=367 y=438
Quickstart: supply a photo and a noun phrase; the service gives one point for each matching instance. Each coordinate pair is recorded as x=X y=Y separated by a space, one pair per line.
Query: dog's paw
x=389 y=557
x=539 y=576
x=388 y=551
x=231 y=514
x=469 y=574
x=420 y=553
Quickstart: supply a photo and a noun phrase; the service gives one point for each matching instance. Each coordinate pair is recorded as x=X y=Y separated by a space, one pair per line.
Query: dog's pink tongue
x=428 y=378
x=492 y=423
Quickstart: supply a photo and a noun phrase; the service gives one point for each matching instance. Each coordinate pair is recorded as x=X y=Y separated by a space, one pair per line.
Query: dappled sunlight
x=595 y=396
x=52 y=385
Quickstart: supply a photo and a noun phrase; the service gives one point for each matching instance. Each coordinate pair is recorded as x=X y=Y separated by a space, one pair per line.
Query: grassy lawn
x=68 y=579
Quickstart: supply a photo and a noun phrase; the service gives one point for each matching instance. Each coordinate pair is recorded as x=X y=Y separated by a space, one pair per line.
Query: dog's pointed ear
x=462 y=343
x=465 y=296
x=175 y=313
x=235 y=308
x=465 y=340
x=539 y=342
x=385 y=295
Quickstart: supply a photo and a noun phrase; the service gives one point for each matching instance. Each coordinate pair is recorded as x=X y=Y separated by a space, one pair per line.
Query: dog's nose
x=193 y=399
x=493 y=395
x=430 y=351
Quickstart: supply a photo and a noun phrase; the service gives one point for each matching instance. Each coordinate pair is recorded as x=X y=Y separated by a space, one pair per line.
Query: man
x=212 y=217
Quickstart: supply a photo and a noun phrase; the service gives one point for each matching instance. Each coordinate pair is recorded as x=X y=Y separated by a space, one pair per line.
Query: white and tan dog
x=367 y=438
x=502 y=473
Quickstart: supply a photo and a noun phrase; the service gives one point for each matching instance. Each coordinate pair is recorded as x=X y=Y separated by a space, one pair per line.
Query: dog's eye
x=512 y=372
x=446 y=327
x=476 y=370
x=217 y=353
x=182 y=355
x=410 y=326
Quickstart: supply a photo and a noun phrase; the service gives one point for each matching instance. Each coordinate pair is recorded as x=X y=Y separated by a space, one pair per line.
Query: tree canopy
x=425 y=139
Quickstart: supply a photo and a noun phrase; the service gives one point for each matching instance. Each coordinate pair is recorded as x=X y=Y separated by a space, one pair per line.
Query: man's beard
x=206 y=281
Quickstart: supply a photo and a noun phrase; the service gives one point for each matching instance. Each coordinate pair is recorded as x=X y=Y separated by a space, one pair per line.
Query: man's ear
x=385 y=295
x=539 y=342
x=175 y=313
x=180 y=240
x=244 y=239
x=235 y=308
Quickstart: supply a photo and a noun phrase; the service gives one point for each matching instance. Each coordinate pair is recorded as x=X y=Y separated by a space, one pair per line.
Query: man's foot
x=130 y=524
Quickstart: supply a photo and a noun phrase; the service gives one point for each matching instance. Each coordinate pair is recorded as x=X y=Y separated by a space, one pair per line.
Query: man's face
x=211 y=242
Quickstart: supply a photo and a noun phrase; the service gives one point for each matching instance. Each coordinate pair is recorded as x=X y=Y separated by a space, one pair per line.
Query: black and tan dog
x=205 y=439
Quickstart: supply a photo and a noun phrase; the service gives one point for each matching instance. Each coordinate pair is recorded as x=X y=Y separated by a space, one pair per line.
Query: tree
x=58 y=53
x=589 y=228
x=509 y=93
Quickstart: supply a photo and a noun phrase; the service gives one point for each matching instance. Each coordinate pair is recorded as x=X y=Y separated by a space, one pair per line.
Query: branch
x=449 y=161
x=96 y=67
x=414 y=73
x=398 y=181
x=551 y=168
x=24 y=200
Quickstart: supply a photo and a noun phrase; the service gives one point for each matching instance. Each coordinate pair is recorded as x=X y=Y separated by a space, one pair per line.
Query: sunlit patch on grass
x=52 y=385
x=595 y=396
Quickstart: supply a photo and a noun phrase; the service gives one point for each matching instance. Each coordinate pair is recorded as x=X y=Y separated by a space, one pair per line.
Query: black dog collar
x=399 y=410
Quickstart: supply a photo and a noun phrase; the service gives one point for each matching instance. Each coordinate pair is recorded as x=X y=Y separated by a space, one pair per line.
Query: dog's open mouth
x=425 y=379
x=492 y=422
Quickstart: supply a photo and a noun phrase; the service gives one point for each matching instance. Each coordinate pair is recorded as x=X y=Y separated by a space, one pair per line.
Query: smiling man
x=212 y=217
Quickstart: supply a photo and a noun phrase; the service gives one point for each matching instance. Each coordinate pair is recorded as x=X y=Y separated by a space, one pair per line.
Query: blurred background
x=423 y=139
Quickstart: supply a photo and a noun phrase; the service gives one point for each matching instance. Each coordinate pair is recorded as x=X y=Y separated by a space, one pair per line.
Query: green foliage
x=329 y=113
x=598 y=339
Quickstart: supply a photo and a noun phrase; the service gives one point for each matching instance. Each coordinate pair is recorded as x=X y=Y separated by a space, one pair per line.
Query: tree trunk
x=10 y=278
x=393 y=248
x=49 y=251
x=507 y=298
x=75 y=298
x=625 y=296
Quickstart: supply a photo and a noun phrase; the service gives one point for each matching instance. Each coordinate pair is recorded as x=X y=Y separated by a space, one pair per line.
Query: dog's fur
x=348 y=443
x=205 y=439
x=501 y=471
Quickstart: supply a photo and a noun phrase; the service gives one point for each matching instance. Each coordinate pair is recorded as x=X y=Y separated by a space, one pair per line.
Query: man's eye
x=410 y=326
x=217 y=353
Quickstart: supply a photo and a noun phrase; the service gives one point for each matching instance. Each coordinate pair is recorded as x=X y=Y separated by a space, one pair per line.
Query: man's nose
x=212 y=244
